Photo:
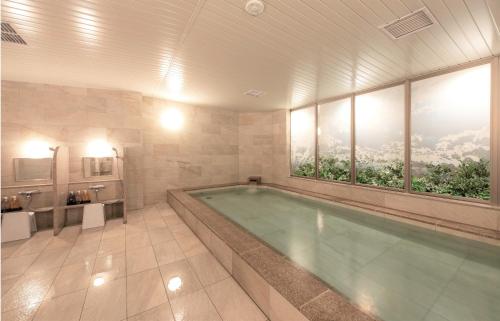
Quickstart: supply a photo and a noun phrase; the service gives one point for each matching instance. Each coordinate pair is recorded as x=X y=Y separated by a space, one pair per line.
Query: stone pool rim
x=281 y=288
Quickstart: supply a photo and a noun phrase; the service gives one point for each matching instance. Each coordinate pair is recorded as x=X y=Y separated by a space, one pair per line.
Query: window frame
x=494 y=134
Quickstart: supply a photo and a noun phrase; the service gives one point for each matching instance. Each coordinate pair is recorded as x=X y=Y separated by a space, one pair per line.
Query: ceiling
x=209 y=52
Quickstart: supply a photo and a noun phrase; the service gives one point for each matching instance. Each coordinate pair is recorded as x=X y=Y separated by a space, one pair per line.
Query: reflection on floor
x=153 y=268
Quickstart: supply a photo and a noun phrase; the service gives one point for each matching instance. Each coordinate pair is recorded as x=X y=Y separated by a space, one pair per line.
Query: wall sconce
x=99 y=148
x=172 y=119
x=37 y=149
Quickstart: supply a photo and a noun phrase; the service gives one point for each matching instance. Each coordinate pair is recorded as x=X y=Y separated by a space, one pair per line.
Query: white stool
x=16 y=226
x=93 y=215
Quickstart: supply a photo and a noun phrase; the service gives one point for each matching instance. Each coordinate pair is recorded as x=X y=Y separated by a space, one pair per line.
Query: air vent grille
x=407 y=25
x=10 y=35
x=254 y=93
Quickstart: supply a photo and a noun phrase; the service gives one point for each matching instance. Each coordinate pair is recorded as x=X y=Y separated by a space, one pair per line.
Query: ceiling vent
x=409 y=24
x=10 y=35
x=254 y=93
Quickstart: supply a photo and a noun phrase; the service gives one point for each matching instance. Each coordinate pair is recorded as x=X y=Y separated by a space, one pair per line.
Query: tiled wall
x=255 y=145
x=204 y=152
x=458 y=211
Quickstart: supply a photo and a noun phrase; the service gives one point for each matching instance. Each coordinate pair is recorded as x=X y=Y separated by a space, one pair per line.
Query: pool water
x=395 y=271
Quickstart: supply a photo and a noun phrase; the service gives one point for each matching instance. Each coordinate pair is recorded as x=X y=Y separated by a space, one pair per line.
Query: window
x=379 y=123
x=334 y=140
x=450 y=133
x=303 y=142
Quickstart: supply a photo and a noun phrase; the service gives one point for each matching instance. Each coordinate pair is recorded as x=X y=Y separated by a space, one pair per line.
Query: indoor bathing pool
x=392 y=270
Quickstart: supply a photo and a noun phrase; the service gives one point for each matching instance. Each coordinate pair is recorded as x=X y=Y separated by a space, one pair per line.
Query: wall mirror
x=97 y=166
x=29 y=169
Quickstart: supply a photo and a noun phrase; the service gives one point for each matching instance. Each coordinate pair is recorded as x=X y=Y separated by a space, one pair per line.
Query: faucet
x=29 y=196
x=96 y=189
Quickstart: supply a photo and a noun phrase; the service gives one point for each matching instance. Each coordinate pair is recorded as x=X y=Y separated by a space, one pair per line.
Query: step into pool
x=395 y=271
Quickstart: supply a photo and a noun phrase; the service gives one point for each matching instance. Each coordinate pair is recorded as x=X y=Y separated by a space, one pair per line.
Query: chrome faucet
x=29 y=196
x=97 y=189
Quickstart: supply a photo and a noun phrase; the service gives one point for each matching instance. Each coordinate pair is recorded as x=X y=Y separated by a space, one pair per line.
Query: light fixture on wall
x=99 y=148
x=36 y=149
x=172 y=119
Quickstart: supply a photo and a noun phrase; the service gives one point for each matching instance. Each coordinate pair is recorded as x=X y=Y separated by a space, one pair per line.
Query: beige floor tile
x=179 y=279
x=66 y=238
x=11 y=247
x=179 y=228
x=111 y=245
x=159 y=313
x=58 y=243
x=70 y=232
x=114 y=233
x=84 y=254
x=64 y=308
x=106 y=302
x=183 y=234
x=113 y=224
x=16 y=266
x=110 y=267
x=194 y=307
x=167 y=212
x=233 y=303
x=133 y=217
x=135 y=227
x=50 y=259
x=207 y=268
x=87 y=259
x=160 y=235
x=145 y=290
x=89 y=236
x=7 y=284
x=191 y=246
x=157 y=222
x=172 y=220
x=141 y=259
x=29 y=289
x=168 y=252
x=22 y=314
x=84 y=249
x=35 y=244
x=137 y=240
x=70 y=279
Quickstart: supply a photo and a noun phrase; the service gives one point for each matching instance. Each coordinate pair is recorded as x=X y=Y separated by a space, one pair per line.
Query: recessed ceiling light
x=254 y=7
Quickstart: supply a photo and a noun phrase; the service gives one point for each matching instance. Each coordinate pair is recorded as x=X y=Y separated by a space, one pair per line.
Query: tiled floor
x=153 y=268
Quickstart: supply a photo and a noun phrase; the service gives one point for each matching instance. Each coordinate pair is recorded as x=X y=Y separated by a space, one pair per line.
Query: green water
x=397 y=271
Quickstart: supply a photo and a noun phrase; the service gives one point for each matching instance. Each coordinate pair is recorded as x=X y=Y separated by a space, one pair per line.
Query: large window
x=334 y=140
x=379 y=121
x=450 y=133
x=303 y=142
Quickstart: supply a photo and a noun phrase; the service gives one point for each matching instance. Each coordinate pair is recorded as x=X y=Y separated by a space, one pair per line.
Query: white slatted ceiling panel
x=210 y=52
